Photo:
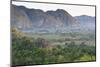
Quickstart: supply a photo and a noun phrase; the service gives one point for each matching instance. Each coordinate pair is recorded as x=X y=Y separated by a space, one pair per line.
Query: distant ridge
x=60 y=20
x=30 y=18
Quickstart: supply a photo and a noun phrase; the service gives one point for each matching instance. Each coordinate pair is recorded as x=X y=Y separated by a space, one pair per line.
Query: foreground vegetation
x=30 y=50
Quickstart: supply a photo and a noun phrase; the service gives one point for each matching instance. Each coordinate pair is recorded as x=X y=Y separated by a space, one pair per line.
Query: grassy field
x=57 y=39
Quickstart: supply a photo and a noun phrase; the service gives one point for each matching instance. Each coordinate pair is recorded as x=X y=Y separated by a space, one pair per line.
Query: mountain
x=19 y=18
x=85 y=19
x=63 y=16
x=59 y=21
x=25 y=18
x=87 y=23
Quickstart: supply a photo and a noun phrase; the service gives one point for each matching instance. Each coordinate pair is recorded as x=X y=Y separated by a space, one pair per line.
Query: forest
x=31 y=50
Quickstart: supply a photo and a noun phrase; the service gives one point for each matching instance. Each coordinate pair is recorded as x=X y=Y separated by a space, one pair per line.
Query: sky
x=74 y=10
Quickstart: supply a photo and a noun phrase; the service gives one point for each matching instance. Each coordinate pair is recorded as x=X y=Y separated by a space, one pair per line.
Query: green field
x=57 y=39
